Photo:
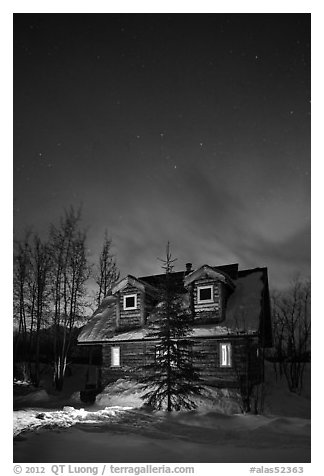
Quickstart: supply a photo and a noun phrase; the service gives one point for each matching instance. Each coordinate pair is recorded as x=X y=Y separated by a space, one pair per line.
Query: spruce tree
x=171 y=378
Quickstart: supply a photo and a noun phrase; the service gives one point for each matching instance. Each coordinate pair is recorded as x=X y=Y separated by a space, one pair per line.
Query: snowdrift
x=118 y=427
x=127 y=392
x=34 y=419
x=120 y=434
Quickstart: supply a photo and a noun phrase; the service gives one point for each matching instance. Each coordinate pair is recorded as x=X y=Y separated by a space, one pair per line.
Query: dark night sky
x=193 y=128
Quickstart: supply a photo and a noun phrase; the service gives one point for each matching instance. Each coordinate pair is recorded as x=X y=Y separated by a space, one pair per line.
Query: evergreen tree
x=171 y=378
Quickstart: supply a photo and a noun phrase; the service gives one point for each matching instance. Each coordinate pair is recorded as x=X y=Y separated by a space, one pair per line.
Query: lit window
x=130 y=301
x=225 y=355
x=115 y=356
x=205 y=294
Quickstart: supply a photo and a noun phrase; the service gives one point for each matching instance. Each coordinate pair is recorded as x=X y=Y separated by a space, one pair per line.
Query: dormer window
x=205 y=294
x=130 y=301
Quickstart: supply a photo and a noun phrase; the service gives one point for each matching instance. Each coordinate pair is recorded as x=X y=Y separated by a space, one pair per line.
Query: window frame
x=205 y=301
x=229 y=355
x=124 y=302
x=112 y=355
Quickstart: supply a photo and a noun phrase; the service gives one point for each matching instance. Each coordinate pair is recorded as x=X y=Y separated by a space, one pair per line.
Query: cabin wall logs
x=246 y=364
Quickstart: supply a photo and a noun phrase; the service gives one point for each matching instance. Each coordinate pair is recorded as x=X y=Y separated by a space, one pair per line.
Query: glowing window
x=205 y=294
x=130 y=301
x=225 y=353
x=115 y=356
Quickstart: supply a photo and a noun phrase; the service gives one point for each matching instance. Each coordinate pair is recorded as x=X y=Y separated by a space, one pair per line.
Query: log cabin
x=231 y=324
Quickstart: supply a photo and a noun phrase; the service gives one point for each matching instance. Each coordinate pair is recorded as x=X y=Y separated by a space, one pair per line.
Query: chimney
x=188 y=268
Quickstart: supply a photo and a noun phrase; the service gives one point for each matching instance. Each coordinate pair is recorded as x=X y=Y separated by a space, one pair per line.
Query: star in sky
x=215 y=87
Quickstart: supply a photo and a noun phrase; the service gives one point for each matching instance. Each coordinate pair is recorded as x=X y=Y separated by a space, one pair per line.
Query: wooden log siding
x=208 y=312
x=130 y=355
x=245 y=362
x=130 y=318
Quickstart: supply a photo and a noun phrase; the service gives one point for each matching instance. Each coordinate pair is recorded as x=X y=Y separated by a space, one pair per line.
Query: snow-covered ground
x=116 y=429
x=33 y=419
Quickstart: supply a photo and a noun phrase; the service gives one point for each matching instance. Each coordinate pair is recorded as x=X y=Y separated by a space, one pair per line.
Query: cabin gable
x=209 y=290
x=134 y=301
x=130 y=308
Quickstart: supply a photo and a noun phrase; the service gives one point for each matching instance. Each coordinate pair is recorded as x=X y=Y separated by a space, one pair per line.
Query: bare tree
x=250 y=370
x=40 y=266
x=20 y=288
x=69 y=274
x=292 y=331
x=107 y=271
x=31 y=271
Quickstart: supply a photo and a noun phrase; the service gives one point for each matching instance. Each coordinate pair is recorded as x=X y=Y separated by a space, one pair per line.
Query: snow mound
x=280 y=401
x=123 y=393
x=296 y=426
x=127 y=392
x=33 y=419
x=139 y=437
x=219 y=400
x=22 y=382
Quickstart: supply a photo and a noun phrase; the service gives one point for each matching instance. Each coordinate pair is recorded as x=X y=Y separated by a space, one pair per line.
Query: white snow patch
x=34 y=419
x=204 y=331
x=123 y=392
x=136 y=334
x=211 y=331
x=21 y=382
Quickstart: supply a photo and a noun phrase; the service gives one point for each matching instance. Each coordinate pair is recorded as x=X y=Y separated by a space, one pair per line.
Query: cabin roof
x=248 y=310
x=177 y=278
x=206 y=271
x=130 y=280
x=244 y=305
x=158 y=280
x=197 y=332
x=102 y=324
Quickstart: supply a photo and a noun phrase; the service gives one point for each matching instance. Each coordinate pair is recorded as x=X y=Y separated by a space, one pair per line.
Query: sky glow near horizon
x=188 y=128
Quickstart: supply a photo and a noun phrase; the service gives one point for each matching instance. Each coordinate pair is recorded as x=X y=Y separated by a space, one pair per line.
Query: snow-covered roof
x=102 y=324
x=247 y=310
x=197 y=332
x=244 y=306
